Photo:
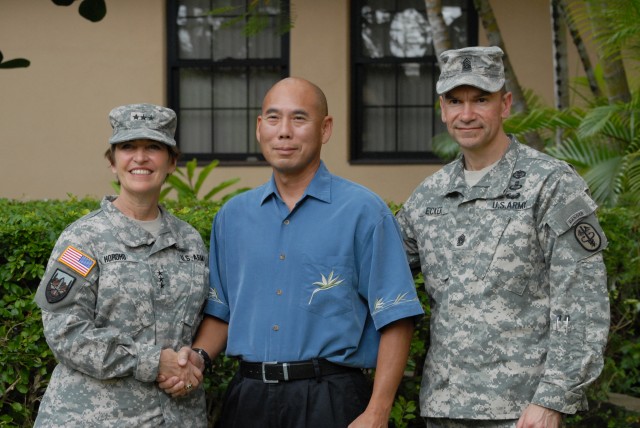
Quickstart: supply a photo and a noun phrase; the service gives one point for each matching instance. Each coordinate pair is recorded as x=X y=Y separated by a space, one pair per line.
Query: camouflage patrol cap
x=143 y=122
x=476 y=66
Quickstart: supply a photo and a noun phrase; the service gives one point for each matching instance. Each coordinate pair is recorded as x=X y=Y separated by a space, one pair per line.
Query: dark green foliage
x=91 y=10
x=13 y=63
x=28 y=231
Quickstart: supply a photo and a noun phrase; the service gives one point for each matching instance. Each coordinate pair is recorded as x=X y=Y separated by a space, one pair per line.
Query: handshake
x=180 y=372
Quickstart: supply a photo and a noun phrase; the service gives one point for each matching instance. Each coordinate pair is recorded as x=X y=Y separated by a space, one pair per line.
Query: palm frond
x=633 y=173
x=603 y=179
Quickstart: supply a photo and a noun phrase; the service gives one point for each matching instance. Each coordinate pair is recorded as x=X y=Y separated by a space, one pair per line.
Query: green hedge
x=28 y=231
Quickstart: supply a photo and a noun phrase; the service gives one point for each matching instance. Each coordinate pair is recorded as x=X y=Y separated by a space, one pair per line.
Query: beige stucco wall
x=53 y=115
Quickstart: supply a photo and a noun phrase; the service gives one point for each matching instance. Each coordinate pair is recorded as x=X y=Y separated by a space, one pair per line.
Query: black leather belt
x=282 y=372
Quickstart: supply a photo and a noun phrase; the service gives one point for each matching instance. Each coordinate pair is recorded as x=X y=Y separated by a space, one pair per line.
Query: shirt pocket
x=125 y=298
x=327 y=287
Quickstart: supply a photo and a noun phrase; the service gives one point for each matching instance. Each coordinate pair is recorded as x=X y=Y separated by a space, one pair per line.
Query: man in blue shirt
x=307 y=270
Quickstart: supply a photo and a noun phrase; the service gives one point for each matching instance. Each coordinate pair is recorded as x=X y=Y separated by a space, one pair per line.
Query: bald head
x=299 y=84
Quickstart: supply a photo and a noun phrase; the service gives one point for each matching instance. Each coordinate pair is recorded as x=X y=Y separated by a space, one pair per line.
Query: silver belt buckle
x=285 y=371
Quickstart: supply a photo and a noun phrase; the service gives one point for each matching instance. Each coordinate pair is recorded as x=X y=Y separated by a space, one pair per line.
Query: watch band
x=208 y=364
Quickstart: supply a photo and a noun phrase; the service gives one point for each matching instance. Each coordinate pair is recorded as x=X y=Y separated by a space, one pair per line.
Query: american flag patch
x=77 y=260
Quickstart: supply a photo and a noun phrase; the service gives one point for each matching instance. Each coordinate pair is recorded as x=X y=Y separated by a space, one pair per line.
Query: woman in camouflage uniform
x=123 y=292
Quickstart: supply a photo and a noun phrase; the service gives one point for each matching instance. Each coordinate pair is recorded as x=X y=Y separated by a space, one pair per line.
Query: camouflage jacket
x=514 y=271
x=112 y=298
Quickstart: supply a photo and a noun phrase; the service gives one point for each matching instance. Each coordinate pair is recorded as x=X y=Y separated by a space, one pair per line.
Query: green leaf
x=220 y=187
x=191 y=167
x=223 y=10
x=180 y=186
x=445 y=146
x=203 y=175
x=15 y=63
x=93 y=10
x=164 y=192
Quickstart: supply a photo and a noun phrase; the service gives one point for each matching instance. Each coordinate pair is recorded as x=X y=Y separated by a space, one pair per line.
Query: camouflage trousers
x=469 y=423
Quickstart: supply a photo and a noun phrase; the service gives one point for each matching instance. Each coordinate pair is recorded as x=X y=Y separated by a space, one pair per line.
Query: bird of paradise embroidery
x=213 y=295
x=380 y=304
x=326 y=284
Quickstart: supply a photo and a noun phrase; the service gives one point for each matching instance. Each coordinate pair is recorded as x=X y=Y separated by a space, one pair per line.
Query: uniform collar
x=132 y=235
x=319 y=188
x=494 y=184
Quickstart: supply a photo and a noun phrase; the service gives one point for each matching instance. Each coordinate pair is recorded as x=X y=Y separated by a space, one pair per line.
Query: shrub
x=29 y=230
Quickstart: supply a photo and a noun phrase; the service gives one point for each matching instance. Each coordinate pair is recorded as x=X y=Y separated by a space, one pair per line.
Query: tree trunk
x=441 y=40
x=488 y=19
x=567 y=9
x=614 y=74
x=560 y=65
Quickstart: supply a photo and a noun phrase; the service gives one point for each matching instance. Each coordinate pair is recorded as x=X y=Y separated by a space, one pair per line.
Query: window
x=394 y=70
x=218 y=75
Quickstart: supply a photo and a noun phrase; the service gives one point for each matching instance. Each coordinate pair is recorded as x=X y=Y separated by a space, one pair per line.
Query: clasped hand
x=178 y=370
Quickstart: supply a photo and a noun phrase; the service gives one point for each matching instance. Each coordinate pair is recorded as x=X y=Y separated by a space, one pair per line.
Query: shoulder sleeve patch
x=564 y=217
x=588 y=236
x=58 y=286
x=77 y=260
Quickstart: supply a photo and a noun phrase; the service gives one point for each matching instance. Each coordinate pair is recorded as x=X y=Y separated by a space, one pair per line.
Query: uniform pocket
x=197 y=293
x=509 y=253
x=125 y=297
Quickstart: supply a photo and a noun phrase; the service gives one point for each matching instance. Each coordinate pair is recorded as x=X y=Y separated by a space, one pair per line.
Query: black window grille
x=393 y=74
x=218 y=75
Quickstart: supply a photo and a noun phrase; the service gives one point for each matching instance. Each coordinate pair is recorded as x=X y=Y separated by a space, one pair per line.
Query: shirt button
x=276 y=327
x=286 y=221
x=279 y=292
x=282 y=257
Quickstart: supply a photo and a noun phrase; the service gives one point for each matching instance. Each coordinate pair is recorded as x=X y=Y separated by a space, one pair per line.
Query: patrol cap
x=143 y=122
x=477 y=66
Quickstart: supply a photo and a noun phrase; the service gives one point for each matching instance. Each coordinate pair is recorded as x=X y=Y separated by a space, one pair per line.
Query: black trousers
x=332 y=401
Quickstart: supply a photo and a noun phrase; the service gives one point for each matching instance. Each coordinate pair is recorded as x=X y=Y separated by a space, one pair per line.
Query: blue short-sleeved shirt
x=317 y=281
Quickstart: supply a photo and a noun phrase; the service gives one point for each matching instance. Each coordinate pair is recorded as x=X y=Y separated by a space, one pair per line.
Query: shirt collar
x=319 y=188
x=133 y=235
x=498 y=178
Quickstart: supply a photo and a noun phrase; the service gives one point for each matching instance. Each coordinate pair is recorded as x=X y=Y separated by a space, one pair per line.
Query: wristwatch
x=208 y=364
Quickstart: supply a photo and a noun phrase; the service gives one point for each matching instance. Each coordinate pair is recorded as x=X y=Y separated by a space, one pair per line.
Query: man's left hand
x=535 y=416
x=370 y=420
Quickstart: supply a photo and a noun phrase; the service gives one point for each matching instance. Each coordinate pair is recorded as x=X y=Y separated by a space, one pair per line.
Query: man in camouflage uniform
x=120 y=296
x=511 y=252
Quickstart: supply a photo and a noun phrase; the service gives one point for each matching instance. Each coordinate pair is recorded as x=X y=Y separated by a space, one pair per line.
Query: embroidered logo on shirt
x=381 y=305
x=326 y=284
x=587 y=237
x=519 y=174
x=77 y=260
x=213 y=295
x=58 y=286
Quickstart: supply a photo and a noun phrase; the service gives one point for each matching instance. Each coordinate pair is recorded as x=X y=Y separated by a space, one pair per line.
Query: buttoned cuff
x=554 y=397
x=147 y=365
